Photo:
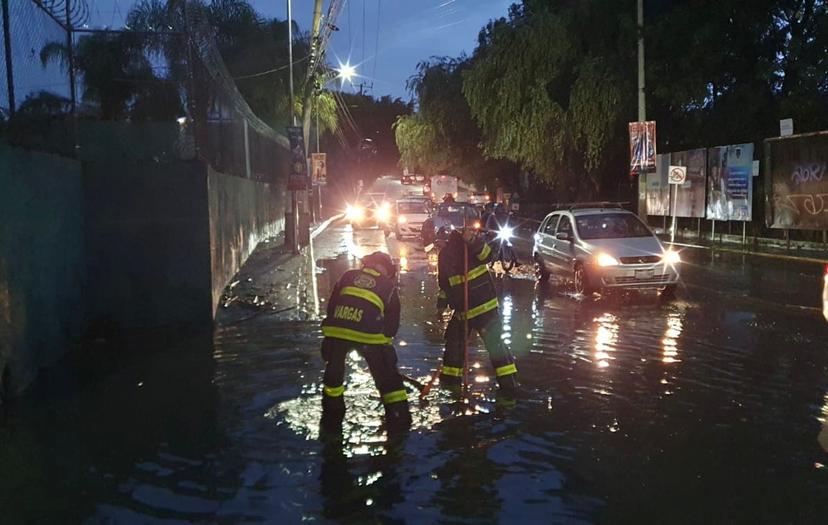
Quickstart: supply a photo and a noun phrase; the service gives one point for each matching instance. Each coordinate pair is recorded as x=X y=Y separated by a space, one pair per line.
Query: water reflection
x=671 y=336
x=605 y=337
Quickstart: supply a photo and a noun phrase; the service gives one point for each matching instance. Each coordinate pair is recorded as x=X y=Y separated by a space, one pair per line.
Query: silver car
x=603 y=248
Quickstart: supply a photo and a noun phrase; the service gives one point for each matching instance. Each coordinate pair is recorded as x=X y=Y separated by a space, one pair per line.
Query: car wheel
x=541 y=273
x=668 y=292
x=581 y=279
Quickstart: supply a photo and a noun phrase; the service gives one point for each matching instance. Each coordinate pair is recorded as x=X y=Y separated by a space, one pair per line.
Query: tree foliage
x=552 y=86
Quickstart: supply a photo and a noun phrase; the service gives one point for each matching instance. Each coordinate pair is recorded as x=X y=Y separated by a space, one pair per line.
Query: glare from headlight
x=505 y=233
x=383 y=214
x=671 y=257
x=605 y=259
x=402 y=219
x=354 y=213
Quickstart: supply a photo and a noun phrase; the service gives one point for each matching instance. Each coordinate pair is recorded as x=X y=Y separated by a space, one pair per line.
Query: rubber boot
x=397 y=417
x=510 y=386
x=451 y=383
x=333 y=412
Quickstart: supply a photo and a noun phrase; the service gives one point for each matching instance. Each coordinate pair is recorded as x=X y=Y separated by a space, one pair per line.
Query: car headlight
x=476 y=225
x=354 y=213
x=402 y=219
x=605 y=259
x=505 y=233
x=671 y=257
x=383 y=214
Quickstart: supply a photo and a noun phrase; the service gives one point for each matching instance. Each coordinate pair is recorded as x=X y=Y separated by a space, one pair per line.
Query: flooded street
x=711 y=406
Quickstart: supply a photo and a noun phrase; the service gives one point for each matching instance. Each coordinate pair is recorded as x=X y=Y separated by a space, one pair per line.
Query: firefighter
x=364 y=315
x=482 y=313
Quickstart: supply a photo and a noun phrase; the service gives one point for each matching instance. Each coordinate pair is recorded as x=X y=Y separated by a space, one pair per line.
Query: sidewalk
x=274 y=283
x=763 y=247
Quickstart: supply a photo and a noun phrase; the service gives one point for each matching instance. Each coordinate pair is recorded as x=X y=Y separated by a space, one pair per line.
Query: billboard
x=642 y=146
x=658 y=192
x=730 y=182
x=690 y=195
x=796 y=182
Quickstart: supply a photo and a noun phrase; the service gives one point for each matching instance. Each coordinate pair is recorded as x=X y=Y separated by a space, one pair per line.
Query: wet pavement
x=709 y=407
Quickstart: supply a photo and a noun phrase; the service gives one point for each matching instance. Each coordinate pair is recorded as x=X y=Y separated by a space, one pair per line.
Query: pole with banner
x=677 y=175
x=297 y=179
x=642 y=157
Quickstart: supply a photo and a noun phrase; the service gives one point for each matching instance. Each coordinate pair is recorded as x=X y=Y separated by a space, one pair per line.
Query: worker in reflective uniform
x=482 y=313
x=364 y=315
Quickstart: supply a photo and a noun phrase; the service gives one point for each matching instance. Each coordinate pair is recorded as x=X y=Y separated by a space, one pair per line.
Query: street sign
x=677 y=174
x=319 y=168
x=786 y=127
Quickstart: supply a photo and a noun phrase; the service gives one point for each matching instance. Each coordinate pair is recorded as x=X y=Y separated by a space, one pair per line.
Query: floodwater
x=710 y=407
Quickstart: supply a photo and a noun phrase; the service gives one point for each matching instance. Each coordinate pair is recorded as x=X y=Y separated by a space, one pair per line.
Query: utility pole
x=4 y=4
x=642 y=109
x=292 y=219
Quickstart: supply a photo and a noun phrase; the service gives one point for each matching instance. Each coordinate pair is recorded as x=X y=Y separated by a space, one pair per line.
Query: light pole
x=292 y=219
x=641 y=182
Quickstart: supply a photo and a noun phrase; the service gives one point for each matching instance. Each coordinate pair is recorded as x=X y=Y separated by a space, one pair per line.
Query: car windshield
x=611 y=226
x=412 y=207
x=454 y=213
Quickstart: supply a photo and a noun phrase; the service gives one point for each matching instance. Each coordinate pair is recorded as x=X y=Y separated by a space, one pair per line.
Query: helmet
x=380 y=259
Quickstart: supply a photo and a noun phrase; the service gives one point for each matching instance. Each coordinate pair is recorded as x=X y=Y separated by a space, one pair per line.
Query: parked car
x=407 y=179
x=370 y=210
x=603 y=248
x=448 y=217
x=419 y=178
x=411 y=214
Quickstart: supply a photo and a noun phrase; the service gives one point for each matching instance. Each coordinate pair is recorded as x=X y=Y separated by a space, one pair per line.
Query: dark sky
x=409 y=31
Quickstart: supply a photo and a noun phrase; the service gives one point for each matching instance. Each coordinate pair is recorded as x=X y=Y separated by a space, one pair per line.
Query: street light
x=346 y=72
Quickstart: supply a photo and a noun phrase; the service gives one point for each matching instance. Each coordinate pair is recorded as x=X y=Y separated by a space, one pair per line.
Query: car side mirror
x=563 y=236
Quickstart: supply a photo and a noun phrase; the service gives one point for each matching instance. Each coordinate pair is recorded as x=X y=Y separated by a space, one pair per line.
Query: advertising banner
x=690 y=194
x=642 y=146
x=730 y=182
x=658 y=192
x=796 y=179
x=298 y=176
x=319 y=168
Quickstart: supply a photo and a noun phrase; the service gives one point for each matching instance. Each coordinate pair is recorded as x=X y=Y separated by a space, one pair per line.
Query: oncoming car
x=448 y=217
x=411 y=214
x=370 y=210
x=600 y=248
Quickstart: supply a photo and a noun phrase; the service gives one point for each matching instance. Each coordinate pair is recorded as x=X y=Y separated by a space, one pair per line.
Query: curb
x=781 y=256
x=322 y=227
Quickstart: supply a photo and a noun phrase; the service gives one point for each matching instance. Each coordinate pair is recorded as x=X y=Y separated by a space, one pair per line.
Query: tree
x=550 y=88
x=442 y=136
x=114 y=70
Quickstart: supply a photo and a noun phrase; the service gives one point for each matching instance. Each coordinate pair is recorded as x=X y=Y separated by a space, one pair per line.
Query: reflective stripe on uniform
x=452 y=371
x=506 y=370
x=454 y=280
x=442 y=294
x=371 y=271
x=333 y=391
x=484 y=253
x=394 y=397
x=482 y=309
x=356 y=336
x=362 y=293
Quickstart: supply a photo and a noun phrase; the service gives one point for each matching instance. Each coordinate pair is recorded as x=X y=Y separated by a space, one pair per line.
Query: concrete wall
x=41 y=262
x=242 y=213
x=148 y=245
x=138 y=234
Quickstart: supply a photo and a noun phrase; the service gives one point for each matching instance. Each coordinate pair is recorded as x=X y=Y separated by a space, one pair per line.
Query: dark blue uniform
x=363 y=315
x=482 y=309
